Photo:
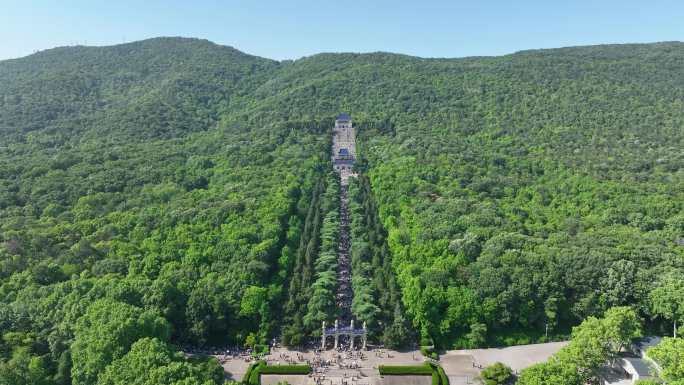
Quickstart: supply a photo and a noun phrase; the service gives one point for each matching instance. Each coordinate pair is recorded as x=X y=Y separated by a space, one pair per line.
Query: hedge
x=439 y=377
x=429 y=351
x=285 y=369
x=443 y=379
x=252 y=374
x=405 y=370
x=255 y=370
x=426 y=350
x=437 y=373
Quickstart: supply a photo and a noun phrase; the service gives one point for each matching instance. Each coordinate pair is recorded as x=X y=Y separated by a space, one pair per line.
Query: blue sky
x=289 y=29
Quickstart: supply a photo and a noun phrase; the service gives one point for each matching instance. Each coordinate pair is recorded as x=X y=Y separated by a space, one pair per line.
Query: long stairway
x=343 y=156
x=344 y=286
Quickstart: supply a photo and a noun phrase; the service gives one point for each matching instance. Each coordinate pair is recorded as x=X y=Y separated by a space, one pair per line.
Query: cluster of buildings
x=344 y=147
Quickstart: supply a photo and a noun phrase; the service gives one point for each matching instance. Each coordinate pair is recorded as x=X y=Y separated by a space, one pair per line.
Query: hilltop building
x=344 y=143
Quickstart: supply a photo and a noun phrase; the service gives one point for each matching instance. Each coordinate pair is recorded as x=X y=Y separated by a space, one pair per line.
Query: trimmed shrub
x=255 y=370
x=426 y=350
x=429 y=352
x=435 y=378
x=252 y=374
x=285 y=369
x=405 y=370
x=443 y=379
x=439 y=377
x=255 y=376
x=497 y=374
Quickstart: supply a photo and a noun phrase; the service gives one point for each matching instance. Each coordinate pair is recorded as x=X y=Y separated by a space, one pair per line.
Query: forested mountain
x=182 y=189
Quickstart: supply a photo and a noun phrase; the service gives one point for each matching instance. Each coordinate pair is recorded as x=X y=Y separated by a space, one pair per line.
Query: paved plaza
x=516 y=357
x=332 y=367
x=361 y=368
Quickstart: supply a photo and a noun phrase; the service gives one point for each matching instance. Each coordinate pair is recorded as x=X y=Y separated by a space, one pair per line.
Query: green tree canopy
x=669 y=354
x=667 y=299
x=152 y=362
x=106 y=332
x=553 y=372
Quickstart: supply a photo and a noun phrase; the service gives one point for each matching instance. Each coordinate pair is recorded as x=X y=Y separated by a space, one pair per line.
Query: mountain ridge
x=186 y=185
x=663 y=44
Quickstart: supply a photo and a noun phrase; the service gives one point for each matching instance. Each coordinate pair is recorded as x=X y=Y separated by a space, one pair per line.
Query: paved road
x=459 y=362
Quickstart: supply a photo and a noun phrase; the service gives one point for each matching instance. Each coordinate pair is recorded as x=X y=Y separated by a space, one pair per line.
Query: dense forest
x=174 y=192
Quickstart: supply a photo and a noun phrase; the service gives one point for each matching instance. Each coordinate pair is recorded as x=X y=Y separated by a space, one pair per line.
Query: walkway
x=344 y=285
x=343 y=156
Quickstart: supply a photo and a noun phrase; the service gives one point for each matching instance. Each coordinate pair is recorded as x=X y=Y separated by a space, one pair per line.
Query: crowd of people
x=341 y=366
x=345 y=359
x=223 y=354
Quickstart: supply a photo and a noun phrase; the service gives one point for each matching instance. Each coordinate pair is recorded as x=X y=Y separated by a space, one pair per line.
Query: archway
x=328 y=342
